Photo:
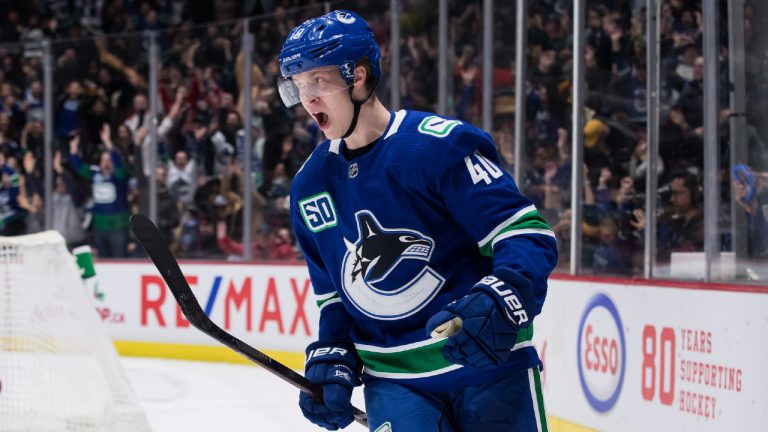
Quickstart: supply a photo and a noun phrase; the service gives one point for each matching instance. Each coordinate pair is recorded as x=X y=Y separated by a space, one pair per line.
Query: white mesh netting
x=58 y=368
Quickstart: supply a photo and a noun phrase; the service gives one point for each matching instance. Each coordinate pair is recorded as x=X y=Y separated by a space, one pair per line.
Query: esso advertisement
x=602 y=353
x=636 y=357
x=274 y=304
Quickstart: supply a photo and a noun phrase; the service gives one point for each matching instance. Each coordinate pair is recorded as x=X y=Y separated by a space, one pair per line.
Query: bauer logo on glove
x=342 y=374
x=482 y=326
x=319 y=352
x=337 y=370
x=515 y=311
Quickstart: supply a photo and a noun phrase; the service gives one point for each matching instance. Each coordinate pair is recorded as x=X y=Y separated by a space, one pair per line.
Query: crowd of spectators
x=615 y=142
x=102 y=121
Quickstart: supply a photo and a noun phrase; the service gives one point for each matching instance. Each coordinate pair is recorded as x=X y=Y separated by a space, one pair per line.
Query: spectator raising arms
x=67 y=206
x=109 y=188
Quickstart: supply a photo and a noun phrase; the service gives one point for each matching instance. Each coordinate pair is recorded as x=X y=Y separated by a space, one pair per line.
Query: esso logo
x=601 y=353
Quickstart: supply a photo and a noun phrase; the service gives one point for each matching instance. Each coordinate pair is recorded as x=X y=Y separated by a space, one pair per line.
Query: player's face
x=324 y=95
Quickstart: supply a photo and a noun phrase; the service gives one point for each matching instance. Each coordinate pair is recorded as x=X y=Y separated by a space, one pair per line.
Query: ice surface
x=201 y=396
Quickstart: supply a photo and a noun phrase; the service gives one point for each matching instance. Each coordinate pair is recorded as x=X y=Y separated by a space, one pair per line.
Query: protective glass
x=312 y=84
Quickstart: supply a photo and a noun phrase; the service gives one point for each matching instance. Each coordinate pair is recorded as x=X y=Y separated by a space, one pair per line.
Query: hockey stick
x=153 y=243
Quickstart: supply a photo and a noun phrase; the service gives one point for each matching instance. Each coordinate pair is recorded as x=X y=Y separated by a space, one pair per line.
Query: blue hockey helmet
x=337 y=39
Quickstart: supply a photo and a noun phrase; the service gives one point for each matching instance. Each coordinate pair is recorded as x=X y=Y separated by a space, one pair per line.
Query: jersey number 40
x=485 y=171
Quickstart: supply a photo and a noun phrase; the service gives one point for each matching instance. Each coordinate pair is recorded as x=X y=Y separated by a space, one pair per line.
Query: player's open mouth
x=322 y=119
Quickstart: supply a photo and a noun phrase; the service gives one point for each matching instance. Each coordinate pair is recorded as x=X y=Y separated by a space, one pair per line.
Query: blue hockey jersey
x=394 y=235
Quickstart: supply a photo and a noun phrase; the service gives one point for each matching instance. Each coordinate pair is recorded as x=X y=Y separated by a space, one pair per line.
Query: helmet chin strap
x=357 y=105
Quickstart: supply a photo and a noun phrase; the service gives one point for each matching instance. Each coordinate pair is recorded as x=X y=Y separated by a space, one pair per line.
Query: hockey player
x=410 y=230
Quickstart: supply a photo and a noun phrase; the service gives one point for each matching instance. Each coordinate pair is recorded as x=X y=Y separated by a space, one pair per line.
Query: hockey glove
x=336 y=368
x=491 y=315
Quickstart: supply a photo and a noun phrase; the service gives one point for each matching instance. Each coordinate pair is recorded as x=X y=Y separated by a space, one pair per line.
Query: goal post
x=59 y=370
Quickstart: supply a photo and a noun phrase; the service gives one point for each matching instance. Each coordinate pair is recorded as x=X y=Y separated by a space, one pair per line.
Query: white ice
x=201 y=396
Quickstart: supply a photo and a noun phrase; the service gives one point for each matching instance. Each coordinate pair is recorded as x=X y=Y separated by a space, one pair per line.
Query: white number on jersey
x=484 y=171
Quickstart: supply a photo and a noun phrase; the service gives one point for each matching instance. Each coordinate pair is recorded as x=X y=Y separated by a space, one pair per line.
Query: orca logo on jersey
x=372 y=263
x=380 y=251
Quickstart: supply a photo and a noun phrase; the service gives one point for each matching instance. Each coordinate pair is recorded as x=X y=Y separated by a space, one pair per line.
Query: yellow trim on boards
x=211 y=353
x=556 y=424
x=293 y=360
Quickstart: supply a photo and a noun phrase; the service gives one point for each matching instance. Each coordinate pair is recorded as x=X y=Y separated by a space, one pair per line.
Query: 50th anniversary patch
x=318 y=212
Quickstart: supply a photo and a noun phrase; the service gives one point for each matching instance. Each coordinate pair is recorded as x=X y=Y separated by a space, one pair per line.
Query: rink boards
x=628 y=355
x=619 y=354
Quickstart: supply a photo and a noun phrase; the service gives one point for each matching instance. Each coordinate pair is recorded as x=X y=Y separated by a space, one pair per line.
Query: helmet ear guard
x=348 y=72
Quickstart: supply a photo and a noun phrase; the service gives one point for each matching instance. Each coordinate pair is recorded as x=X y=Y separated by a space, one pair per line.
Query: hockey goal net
x=58 y=368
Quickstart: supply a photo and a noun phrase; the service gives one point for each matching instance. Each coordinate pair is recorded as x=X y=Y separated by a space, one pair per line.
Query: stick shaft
x=153 y=243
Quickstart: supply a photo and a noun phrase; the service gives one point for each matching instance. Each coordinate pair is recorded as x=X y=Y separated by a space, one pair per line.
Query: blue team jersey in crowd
x=392 y=236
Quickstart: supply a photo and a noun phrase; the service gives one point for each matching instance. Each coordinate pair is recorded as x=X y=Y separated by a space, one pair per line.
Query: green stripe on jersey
x=325 y=299
x=417 y=359
x=525 y=335
x=530 y=220
x=540 y=399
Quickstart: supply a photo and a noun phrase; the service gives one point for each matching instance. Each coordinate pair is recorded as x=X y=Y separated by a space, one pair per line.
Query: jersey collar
x=396 y=119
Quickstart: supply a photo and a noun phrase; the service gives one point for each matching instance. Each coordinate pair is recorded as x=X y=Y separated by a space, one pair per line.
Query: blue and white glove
x=336 y=368
x=490 y=316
